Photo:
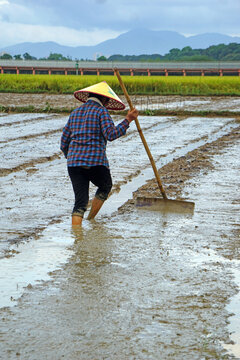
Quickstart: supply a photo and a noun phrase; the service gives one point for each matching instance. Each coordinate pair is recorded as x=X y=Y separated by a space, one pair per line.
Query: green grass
x=142 y=85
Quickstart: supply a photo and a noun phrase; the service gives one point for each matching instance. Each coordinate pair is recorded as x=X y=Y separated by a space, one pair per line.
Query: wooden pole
x=142 y=136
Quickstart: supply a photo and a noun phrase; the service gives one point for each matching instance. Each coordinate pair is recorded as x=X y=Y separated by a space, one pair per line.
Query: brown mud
x=143 y=286
x=175 y=174
x=45 y=102
x=132 y=284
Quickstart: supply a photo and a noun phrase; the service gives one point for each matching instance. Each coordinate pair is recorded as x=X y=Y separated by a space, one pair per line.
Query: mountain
x=142 y=41
x=203 y=41
x=43 y=49
x=134 y=42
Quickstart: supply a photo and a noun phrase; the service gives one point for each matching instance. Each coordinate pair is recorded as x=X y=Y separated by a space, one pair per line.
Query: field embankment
x=171 y=105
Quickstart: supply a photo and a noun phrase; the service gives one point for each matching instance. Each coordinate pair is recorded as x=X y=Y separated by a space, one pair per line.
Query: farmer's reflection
x=91 y=262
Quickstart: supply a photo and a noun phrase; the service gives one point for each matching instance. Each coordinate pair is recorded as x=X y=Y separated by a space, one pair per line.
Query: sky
x=89 y=22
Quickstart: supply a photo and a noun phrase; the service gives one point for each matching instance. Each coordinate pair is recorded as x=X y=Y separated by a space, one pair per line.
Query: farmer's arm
x=112 y=132
x=65 y=139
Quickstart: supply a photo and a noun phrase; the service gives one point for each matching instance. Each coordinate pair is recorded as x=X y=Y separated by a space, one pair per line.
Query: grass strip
x=136 y=85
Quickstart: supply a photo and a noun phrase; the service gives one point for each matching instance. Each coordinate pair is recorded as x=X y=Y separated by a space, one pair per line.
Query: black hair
x=98 y=96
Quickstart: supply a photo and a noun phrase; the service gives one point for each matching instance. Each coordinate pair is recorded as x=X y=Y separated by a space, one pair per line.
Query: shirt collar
x=96 y=100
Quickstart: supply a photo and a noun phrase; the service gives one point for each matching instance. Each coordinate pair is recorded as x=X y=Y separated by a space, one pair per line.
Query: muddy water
x=130 y=285
x=36 y=187
x=141 y=286
x=31 y=128
x=5 y=119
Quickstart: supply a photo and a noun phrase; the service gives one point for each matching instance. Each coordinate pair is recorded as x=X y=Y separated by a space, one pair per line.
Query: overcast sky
x=89 y=22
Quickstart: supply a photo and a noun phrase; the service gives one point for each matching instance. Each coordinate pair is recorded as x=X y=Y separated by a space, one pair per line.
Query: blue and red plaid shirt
x=86 y=133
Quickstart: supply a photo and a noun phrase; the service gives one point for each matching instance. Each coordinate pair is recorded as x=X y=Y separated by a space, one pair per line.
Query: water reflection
x=93 y=250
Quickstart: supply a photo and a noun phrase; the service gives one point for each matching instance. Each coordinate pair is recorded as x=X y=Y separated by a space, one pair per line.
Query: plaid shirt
x=86 y=133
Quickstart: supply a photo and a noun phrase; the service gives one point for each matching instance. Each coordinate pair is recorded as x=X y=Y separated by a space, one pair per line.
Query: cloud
x=12 y=12
x=59 y=34
x=20 y=12
x=94 y=19
x=178 y=15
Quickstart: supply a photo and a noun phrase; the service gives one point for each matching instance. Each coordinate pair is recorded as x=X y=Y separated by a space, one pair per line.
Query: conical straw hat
x=104 y=89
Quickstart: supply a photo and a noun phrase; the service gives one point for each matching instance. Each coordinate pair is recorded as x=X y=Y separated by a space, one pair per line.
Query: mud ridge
x=31 y=136
x=20 y=237
x=6 y=171
x=165 y=124
x=29 y=120
x=175 y=174
x=147 y=112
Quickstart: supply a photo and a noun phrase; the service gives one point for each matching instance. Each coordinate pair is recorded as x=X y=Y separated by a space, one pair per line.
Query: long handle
x=141 y=135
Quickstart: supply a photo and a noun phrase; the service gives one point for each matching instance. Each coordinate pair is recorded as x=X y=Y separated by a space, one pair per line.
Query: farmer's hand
x=132 y=115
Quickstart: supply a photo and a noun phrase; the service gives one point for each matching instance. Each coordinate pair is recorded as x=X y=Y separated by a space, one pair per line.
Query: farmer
x=84 y=141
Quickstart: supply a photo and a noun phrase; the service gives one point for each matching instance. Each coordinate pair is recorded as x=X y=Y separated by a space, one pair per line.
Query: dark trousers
x=80 y=177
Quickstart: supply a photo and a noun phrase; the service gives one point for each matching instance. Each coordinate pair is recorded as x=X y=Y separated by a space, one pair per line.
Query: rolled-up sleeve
x=109 y=130
x=65 y=139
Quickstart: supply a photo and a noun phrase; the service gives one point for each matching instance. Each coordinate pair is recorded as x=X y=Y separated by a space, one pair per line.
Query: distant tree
x=116 y=57
x=102 y=58
x=223 y=52
x=216 y=51
x=195 y=58
x=17 y=57
x=6 y=56
x=143 y=57
x=232 y=57
x=174 y=54
x=187 y=51
x=57 y=57
x=27 y=56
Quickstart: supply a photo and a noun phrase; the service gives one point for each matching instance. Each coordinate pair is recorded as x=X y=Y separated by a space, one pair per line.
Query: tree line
x=27 y=56
x=221 y=52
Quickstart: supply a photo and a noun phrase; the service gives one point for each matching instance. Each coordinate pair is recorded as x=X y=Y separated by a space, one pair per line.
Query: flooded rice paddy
x=132 y=284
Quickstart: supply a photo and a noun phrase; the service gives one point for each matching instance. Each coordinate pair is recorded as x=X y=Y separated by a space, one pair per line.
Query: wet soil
x=132 y=284
x=156 y=288
x=33 y=170
x=175 y=174
x=156 y=102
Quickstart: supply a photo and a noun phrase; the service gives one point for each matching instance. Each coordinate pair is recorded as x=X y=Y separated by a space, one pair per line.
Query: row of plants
x=138 y=85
